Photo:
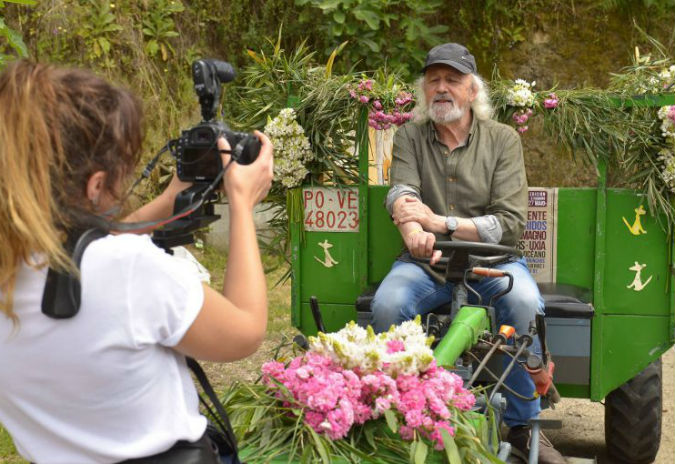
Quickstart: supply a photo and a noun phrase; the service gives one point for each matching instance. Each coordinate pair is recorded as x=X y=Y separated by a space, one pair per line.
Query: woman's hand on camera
x=249 y=184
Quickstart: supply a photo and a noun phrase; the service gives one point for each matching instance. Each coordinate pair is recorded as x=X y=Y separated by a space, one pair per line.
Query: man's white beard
x=445 y=113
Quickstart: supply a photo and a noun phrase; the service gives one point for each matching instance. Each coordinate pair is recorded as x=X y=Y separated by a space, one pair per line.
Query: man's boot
x=519 y=437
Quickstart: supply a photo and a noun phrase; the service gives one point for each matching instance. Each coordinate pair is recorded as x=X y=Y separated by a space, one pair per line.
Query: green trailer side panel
x=384 y=239
x=572 y=391
x=576 y=236
x=338 y=283
x=630 y=344
x=636 y=273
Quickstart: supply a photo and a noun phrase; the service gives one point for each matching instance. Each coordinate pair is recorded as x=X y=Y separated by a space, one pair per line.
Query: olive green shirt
x=482 y=177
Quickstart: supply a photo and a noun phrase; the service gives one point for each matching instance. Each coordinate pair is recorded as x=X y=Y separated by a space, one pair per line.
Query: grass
x=221 y=375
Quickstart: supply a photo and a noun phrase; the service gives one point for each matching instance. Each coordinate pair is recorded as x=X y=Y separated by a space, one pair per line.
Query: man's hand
x=409 y=209
x=421 y=245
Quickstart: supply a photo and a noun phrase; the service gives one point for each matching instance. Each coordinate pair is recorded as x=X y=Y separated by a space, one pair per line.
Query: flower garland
x=655 y=84
x=388 y=106
x=352 y=376
x=291 y=148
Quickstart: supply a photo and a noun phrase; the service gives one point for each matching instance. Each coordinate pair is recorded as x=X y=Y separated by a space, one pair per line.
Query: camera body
x=197 y=155
x=199 y=160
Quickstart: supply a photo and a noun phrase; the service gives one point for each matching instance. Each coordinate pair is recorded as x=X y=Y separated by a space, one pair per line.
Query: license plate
x=331 y=209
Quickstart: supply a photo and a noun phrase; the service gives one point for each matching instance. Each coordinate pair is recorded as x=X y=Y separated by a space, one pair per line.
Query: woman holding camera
x=111 y=383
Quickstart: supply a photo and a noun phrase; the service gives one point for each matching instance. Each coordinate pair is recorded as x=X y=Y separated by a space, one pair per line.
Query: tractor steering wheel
x=460 y=256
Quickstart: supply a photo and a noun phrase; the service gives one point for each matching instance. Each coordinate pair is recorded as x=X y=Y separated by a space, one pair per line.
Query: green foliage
x=159 y=27
x=268 y=430
x=276 y=79
x=658 y=5
x=98 y=31
x=495 y=25
x=13 y=38
x=370 y=27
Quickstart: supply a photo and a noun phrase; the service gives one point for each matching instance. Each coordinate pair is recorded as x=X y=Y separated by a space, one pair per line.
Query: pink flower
x=406 y=432
x=394 y=346
x=333 y=399
x=377 y=105
x=364 y=99
x=520 y=118
x=414 y=418
x=551 y=102
x=413 y=399
x=671 y=113
x=352 y=94
x=273 y=369
x=403 y=98
x=366 y=85
x=522 y=129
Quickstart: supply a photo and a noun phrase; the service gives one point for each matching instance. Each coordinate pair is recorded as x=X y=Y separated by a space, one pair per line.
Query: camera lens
x=247 y=150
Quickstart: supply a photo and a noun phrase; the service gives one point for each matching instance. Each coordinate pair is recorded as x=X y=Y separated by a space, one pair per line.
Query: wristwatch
x=451 y=223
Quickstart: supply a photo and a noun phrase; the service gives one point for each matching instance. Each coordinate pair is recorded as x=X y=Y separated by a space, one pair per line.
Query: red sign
x=331 y=209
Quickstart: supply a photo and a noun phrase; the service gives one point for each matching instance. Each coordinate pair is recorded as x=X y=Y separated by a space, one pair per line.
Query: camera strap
x=219 y=416
x=62 y=293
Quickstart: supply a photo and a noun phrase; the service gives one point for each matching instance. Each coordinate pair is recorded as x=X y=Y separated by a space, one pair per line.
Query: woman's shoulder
x=124 y=243
x=123 y=247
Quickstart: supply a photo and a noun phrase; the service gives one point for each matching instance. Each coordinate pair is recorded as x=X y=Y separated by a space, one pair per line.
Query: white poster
x=539 y=239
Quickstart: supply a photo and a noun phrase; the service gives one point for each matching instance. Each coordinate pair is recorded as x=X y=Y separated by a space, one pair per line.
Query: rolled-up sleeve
x=398 y=191
x=508 y=195
x=405 y=176
x=404 y=166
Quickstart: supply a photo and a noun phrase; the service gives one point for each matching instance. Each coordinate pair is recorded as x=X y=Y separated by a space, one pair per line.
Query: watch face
x=451 y=223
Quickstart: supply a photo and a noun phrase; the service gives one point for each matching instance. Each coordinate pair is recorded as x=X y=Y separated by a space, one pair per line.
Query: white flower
x=667 y=116
x=521 y=93
x=291 y=148
x=355 y=347
x=667 y=158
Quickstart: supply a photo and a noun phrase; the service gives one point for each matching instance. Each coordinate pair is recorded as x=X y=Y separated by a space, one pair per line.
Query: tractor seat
x=567 y=301
x=560 y=300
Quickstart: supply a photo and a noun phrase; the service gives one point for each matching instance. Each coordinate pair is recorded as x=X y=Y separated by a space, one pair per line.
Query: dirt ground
x=583 y=432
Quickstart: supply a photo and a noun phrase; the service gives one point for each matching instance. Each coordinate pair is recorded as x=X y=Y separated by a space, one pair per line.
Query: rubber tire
x=633 y=418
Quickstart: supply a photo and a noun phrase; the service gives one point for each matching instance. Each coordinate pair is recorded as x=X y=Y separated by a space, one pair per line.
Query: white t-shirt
x=105 y=385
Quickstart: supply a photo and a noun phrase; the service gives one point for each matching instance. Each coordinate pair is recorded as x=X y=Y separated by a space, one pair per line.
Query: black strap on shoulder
x=220 y=418
x=62 y=294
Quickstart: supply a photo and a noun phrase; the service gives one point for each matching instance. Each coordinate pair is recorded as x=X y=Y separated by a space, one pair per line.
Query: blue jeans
x=408 y=291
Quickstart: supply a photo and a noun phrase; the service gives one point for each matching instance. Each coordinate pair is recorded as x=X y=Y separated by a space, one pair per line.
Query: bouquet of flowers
x=292 y=150
x=389 y=102
x=352 y=376
x=364 y=398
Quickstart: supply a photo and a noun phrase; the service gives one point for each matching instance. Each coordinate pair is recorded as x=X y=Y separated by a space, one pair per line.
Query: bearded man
x=458 y=174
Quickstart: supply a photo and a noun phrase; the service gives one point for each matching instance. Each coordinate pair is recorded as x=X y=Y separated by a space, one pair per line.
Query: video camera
x=198 y=158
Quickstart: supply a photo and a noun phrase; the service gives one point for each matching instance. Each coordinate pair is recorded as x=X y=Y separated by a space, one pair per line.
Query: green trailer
x=603 y=266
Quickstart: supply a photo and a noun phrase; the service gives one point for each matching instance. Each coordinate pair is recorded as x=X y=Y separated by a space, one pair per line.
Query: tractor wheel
x=633 y=418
